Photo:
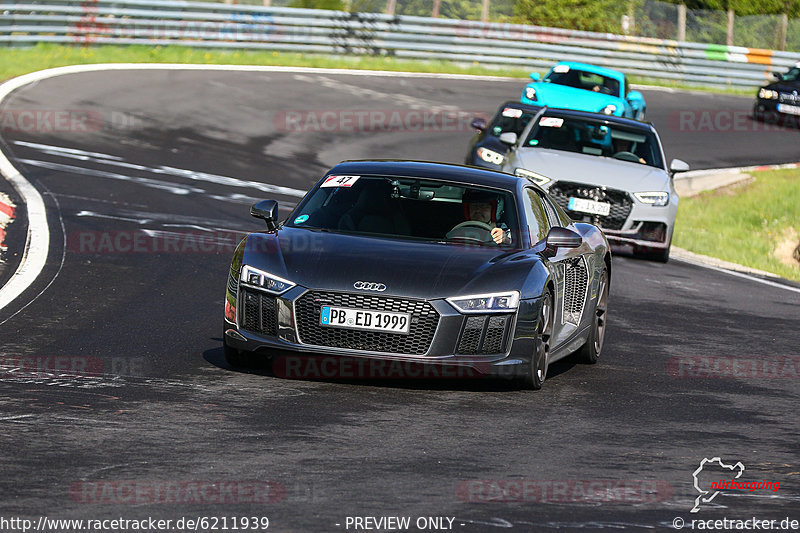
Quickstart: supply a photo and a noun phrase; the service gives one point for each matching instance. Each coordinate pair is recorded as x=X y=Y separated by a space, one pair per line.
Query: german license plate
x=582 y=205
x=789 y=109
x=341 y=317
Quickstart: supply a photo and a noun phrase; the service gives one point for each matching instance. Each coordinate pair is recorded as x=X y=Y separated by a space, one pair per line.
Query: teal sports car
x=584 y=87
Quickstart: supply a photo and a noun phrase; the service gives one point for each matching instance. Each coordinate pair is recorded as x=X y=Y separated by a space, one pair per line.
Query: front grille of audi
x=424 y=320
x=257 y=312
x=621 y=203
x=484 y=335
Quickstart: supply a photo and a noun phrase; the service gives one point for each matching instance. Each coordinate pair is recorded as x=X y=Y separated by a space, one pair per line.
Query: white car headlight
x=535 y=177
x=767 y=94
x=530 y=93
x=657 y=198
x=264 y=280
x=490 y=156
x=486 y=303
x=610 y=109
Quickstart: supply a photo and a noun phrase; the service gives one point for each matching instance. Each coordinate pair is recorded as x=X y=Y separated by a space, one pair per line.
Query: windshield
x=510 y=119
x=597 y=138
x=408 y=208
x=581 y=79
x=792 y=75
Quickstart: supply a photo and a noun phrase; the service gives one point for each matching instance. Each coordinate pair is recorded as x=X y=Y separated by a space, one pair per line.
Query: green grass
x=744 y=224
x=17 y=61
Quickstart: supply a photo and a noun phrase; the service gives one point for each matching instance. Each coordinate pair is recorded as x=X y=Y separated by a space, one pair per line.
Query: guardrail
x=201 y=24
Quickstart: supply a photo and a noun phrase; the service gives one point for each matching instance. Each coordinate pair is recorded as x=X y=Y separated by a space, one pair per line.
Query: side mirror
x=559 y=237
x=478 y=123
x=775 y=76
x=534 y=76
x=634 y=95
x=677 y=165
x=268 y=211
x=509 y=138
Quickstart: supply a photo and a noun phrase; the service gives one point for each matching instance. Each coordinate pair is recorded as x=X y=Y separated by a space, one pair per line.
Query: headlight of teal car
x=530 y=93
x=610 y=109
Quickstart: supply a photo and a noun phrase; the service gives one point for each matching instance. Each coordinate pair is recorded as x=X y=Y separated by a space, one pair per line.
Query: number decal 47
x=339 y=181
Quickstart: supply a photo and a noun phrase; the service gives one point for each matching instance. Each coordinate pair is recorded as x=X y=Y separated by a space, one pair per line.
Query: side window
x=552 y=212
x=536 y=216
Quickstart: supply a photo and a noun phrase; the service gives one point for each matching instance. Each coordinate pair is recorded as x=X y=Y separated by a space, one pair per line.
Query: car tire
x=641 y=113
x=540 y=360
x=757 y=115
x=589 y=353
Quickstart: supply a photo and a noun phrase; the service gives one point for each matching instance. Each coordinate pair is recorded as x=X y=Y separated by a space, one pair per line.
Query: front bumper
x=458 y=339
x=644 y=234
x=631 y=222
x=775 y=110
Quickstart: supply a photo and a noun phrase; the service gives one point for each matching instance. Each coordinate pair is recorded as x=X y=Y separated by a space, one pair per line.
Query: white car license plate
x=789 y=109
x=341 y=317
x=583 y=205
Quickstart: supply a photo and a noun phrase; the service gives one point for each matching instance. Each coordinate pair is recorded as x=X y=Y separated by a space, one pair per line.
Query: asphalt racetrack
x=115 y=400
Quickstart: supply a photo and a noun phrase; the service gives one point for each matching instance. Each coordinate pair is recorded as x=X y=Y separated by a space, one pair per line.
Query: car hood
x=558 y=165
x=324 y=260
x=563 y=96
x=784 y=86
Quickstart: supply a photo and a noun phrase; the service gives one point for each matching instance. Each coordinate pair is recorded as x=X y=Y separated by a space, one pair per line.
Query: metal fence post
x=390 y=7
x=730 y=27
x=485 y=11
x=681 y=22
x=436 y=5
x=782 y=31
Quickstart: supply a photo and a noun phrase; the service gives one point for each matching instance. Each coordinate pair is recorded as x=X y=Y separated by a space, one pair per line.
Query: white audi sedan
x=608 y=171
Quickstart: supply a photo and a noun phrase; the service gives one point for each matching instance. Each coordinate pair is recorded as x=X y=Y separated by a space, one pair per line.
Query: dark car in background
x=485 y=149
x=382 y=260
x=780 y=99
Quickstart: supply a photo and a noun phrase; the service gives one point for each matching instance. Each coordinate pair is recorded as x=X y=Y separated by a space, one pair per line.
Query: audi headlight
x=610 y=109
x=535 y=177
x=657 y=198
x=487 y=303
x=767 y=94
x=490 y=156
x=265 y=280
x=530 y=93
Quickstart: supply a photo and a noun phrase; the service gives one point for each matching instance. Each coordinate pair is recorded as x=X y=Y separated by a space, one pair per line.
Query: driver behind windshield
x=625 y=149
x=484 y=208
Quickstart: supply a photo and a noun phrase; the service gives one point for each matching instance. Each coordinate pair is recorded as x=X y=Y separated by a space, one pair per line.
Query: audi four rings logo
x=369 y=286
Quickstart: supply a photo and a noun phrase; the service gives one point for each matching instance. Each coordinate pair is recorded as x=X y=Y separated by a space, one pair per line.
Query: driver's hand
x=498 y=234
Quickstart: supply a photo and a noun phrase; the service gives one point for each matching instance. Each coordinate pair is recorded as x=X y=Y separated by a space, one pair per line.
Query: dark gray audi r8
x=420 y=262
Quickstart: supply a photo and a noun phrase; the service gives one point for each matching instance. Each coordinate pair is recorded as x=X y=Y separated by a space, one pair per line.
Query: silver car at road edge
x=608 y=171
